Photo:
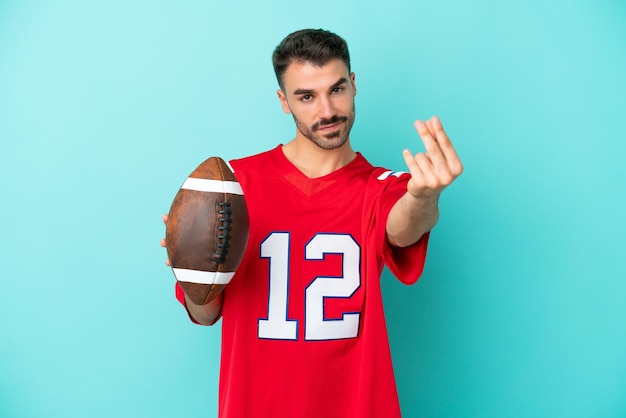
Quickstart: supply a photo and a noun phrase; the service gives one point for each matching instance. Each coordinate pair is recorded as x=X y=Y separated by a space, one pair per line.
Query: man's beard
x=332 y=140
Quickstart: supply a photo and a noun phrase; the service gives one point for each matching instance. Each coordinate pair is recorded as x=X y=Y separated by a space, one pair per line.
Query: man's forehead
x=309 y=76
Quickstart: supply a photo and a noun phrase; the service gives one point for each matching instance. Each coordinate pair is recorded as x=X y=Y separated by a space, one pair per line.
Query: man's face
x=321 y=101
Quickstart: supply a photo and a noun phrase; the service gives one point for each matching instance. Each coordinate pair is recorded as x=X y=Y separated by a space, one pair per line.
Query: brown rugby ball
x=207 y=230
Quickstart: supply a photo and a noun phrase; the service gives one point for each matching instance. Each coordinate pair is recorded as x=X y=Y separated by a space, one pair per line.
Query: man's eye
x=338 y=89
x=306 y=98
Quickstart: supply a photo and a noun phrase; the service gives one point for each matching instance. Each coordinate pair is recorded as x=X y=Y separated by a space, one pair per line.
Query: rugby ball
x=207 y=230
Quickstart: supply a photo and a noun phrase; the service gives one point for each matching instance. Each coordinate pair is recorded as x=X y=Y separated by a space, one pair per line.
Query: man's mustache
x=324 y=122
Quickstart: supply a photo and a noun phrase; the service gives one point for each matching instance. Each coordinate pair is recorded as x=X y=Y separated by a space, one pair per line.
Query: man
x=303 y=329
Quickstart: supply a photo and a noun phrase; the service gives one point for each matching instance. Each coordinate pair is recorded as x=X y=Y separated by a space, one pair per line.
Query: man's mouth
x=326 y=128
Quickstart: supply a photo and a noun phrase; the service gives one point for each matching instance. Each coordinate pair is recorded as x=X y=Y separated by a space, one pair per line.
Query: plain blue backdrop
x=106 y=106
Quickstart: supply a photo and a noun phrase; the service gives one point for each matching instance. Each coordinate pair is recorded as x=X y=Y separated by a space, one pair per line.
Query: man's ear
x=352 y=80
x=283 y=101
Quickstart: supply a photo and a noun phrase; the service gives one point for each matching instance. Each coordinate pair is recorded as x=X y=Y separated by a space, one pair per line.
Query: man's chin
x=330 y=143
x=332 y=135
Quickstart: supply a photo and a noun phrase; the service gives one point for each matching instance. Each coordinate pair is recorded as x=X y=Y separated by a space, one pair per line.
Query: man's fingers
x=431 y=127
x=439 y=166
x=446 y=147
x=164 y=242
x=429 y=176
x=430 y=143
x=412 y=165
x=439 y=147
x=422 y=170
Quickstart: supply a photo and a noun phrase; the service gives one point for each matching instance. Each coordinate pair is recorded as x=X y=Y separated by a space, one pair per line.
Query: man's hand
x=434 y=170
x=163 y=242
x=417 y=211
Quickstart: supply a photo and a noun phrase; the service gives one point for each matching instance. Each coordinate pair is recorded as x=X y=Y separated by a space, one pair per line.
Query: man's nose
x=326 y=109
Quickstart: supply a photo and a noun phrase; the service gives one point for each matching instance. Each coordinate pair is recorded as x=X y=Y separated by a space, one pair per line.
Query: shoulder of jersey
x=253 y=163
x=384 y=175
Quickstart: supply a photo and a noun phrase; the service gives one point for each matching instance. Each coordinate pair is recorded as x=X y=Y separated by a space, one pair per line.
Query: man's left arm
x=432 y=171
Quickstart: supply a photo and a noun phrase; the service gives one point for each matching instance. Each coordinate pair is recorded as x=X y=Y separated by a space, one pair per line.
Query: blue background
x=106 y=106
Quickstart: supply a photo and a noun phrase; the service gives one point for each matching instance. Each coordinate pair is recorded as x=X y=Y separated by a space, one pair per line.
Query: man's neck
x=314 y=161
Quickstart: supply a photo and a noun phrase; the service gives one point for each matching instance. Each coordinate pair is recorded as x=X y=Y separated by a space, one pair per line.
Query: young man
x=303 y=328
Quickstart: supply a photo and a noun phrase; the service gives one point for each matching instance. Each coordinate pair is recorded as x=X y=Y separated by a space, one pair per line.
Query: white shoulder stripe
x=202 y=277
x=212 y=186
x=390 y=173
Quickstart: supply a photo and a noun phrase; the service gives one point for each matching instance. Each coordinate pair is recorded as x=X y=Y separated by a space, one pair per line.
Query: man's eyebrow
x=302 y=91
x=338 y=83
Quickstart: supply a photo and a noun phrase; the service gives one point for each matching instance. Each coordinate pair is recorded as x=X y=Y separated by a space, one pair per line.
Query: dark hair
x=317 y=46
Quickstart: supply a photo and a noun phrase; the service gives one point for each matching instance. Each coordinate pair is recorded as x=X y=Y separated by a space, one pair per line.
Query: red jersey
x=303 y=332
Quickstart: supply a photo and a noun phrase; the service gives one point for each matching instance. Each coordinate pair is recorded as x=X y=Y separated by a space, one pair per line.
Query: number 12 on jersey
x=276 y=248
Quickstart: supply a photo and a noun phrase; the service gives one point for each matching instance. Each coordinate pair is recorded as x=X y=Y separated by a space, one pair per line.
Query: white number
x=277 y=326
x=317 y=327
